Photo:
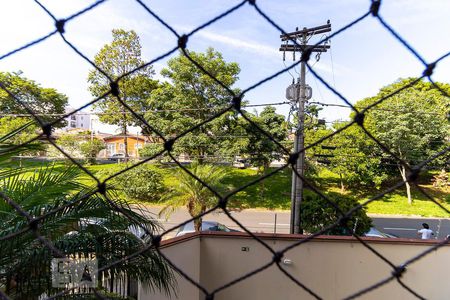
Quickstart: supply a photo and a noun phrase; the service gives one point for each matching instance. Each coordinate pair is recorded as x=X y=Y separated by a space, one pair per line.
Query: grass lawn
x=397 y=203
x=274 y=192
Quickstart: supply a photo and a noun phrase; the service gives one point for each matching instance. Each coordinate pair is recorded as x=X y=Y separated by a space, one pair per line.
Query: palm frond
x=44 y=185
x=191 y=193
x=65 y=203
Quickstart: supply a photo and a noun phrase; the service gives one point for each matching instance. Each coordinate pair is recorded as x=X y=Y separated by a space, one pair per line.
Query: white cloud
x=251 y=46
x=258 y=48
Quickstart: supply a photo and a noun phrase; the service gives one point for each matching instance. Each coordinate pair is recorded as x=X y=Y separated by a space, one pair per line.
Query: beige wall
x=333 y=268
x=186 y=255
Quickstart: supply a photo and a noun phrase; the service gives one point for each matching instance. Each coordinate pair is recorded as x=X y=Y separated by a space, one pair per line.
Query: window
x=73 y=124
x=72 y=117
x=221 y=227
x=122 y=147
x=138 y=146
x=111 y=148
x=81 y=124
x=82 y=118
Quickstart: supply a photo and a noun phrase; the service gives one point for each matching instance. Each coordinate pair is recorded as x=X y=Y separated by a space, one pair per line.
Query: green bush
x=90 y=149
x=140 y=183
x=317 y=213
x=447 y=198
x=149 y=150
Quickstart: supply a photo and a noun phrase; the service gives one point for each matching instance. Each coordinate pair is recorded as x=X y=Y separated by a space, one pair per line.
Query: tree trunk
x=125 y=139
x=201 y=156
x=408 y=187
x=342 y=183
x=193 y=213
x=198 y=224
x=262 y=184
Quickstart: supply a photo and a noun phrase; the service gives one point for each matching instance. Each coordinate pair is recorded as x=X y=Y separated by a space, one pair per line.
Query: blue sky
x=361 y=61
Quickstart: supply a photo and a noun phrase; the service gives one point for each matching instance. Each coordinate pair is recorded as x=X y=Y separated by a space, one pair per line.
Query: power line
x=142 y=111
x=376 y=108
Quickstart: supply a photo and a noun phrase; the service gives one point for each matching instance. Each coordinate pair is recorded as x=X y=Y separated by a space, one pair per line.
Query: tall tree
x=121 y=56
x=314 y=130
x=42 y=101
x=259 y=149
x=413 y=123
x=356 y=159
x=191 y=97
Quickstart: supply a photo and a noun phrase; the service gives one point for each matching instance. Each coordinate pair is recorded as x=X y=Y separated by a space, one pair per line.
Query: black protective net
x=32 y=223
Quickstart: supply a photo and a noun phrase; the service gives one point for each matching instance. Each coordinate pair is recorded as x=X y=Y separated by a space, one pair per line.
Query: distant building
x=79 y=120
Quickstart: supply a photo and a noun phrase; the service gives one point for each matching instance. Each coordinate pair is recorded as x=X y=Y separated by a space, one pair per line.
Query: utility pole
x=300 y=93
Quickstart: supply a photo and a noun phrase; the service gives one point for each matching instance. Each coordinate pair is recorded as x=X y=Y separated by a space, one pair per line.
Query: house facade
x=116 y=144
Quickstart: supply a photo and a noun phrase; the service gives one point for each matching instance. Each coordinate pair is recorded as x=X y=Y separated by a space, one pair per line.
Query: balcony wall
x=332 y=267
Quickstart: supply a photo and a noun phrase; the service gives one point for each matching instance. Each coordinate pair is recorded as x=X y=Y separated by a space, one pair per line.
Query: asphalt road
x=278 y=221
x=407 y=227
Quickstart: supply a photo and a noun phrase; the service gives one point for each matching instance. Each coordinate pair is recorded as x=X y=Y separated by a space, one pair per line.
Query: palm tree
x=53 y=192
x=194 y=195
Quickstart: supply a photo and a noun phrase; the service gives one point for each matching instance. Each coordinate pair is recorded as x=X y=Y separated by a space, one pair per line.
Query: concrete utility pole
x=300 y=93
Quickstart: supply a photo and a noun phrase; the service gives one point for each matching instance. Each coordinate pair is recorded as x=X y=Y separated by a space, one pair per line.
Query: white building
x=79 y=120
x=83 y=121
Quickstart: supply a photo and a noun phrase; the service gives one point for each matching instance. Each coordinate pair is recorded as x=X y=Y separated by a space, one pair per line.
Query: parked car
x=373 y=232
x=206 y=226
x=117 y=157
x=241 y=163
x=84 y=223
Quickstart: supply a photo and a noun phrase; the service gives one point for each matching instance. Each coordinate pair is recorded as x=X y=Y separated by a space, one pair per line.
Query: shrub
x=140 y=183
x=441 y=180
x=91 y=148
x=149 y=150
x=317 y=213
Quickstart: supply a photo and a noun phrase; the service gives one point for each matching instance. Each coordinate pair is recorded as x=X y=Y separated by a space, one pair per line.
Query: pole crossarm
x=306 y=31
x=301 y=48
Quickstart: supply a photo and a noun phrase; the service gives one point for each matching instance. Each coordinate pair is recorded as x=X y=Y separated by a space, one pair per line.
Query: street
x=278 y=221
x=407 y=227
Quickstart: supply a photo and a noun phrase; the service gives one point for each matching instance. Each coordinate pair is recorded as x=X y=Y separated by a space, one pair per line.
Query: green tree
x=413 y=123
x=10 y=124
x=70 y=143
x=8 y=144
x=357 y=159
x=41 y=101
x=91 y=148
x=121 y=56
x=191 y=97
x=315 y=130
x=259 y=149
x=317 y=213
x=88 y=225
x=194 y=195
